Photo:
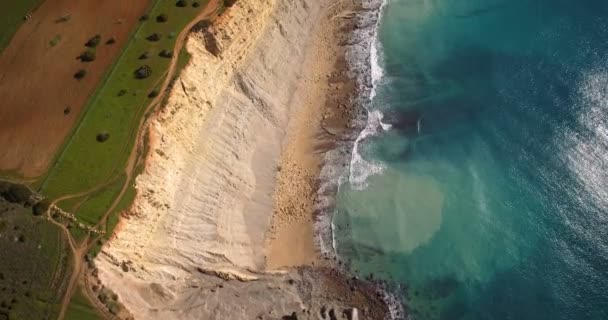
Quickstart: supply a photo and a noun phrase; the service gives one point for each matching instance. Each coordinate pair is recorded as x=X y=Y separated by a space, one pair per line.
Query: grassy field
x=92 y=210
x=117 y=107
x=81 y=309
x=11 y=17
x=34 y=264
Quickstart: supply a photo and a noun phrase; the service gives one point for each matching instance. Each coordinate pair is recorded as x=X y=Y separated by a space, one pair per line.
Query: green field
x=11 y=17
x=81 y=309
x=86 y=163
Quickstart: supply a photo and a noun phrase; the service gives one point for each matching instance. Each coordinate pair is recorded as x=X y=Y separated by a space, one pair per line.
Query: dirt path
x=80 y=251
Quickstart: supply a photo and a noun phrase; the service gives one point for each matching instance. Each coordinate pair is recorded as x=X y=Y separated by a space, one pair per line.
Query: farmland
x=91 y=176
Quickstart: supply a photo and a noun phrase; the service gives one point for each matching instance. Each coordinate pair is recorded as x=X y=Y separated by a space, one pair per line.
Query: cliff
x=204 y=202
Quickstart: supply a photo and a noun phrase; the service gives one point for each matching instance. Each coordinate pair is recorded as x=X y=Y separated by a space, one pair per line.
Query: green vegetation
x=12 y=15
x=55 y=41
x=35 y=264
x=84 y=163
x=81 y=308
x=80 y=74
x=92 y=210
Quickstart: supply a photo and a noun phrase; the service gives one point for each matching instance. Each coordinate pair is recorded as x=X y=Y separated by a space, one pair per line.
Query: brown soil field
x=37 y=81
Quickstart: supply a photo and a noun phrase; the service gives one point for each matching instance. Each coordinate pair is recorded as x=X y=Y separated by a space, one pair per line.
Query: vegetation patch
x=55 y=41
x=93 y=42
x=12 y=16
x=32 y=281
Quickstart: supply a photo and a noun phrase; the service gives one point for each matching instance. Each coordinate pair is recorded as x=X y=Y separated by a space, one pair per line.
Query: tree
x=143 y=72
x=153 y=93
x=102 y=137
x=88 y=56
x=111 y=41
x=196 y=4
x=163 y=17
x=41 y=207
x=93 y=42
x=144 y=55
x=153 y=37
x=80 y=74
x=181 y=3
x=166 y=53
x=144 y=17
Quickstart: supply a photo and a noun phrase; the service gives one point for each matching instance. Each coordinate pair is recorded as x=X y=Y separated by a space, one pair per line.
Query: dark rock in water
x=293 y=316
x=406 y=121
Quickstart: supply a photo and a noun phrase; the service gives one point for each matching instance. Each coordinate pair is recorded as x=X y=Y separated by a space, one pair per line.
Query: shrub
x=143 y=72
x=153 y=37
x=181 y=3
x=122 y=92
x=80 y=74
x=166 y=53
x=144 y=17
x=163 y=17
x=154 y=93
x=41 y=207
x=67 y=110
x=144 y=55
x=111 y=41
x=93 y=42
x=196 y=4
x=102 y=137
x=55 y=41
x=16 y=193
x=87 y=56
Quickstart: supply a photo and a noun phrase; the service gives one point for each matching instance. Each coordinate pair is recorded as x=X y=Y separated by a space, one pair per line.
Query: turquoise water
x=493 y=198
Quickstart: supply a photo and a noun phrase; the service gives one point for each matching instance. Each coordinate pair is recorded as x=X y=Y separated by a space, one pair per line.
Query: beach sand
x=325 y=114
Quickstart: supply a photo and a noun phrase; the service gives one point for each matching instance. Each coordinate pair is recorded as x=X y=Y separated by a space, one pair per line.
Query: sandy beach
x=228 y=193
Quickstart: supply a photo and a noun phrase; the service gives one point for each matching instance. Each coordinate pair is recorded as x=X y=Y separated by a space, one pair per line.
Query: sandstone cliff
x=204 y=202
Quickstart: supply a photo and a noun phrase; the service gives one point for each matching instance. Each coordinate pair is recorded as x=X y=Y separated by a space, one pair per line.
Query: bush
x=143 y=72
x=166 y=53
x=80 y=74
x=87 y=56
x=111 y=41
x=181 y=3
x=93 y=42
x=67 y=110
x=153 y=37
x=41 y=207
x=153 y=94
x=196 y=4
x=163 y=17
x=144 y=17
x=102 y=137
x=144 y=55
x=122 y=92
x=16 y=193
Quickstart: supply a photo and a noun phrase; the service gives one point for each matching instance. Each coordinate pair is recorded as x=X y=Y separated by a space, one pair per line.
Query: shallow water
x=493 y=198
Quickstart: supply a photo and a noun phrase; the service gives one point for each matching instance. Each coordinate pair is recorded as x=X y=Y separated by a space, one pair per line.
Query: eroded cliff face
x=204 y=202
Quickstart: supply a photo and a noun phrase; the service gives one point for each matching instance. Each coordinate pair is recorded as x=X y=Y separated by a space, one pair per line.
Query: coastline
x=208 y=208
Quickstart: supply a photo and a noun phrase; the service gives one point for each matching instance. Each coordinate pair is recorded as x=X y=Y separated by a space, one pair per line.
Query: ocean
x=479 y=188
